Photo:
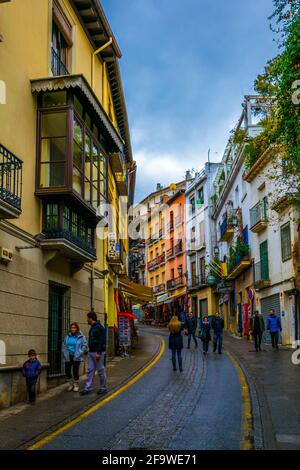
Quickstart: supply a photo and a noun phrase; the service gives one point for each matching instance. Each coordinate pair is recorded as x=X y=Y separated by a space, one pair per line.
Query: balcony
x=258 y=217
x=179 y=248
x=116 y=162
x=155 y=263
x=68 y=233
x=10 y=184
x=239 y=261
x=191 y=249
x=173 y=284
x=70 y=245
x=261 y=275
x=122 y=183
x=170 y=253
x=141 y=262
x=197 y=282
x=159 y=289
x=58 y=68
x=227 y=230
x=162 y=233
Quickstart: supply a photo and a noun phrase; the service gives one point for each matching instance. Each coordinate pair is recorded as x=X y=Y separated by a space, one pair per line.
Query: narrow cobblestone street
x=198 y=409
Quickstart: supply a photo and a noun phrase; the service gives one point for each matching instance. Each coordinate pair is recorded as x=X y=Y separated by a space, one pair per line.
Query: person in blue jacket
x=31 y=371
x=74 y=349
x=274 y=327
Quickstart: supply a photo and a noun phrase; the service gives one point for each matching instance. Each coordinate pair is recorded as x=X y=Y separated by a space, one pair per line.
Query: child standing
x=31 y=371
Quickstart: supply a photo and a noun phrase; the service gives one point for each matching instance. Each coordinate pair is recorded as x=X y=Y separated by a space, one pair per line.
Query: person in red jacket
x=31 y=371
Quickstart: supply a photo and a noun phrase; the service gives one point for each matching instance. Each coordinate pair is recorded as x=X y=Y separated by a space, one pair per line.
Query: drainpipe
x=92 y=286
x=97 y=51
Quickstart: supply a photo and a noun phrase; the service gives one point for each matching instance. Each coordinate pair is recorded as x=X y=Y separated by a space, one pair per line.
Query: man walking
x=191 y=326
x=274 y=327
x=96 y=356
x=218 y=327
x=257 y=327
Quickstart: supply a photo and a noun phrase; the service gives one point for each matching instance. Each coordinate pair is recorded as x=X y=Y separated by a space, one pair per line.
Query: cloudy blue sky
x=186 y=65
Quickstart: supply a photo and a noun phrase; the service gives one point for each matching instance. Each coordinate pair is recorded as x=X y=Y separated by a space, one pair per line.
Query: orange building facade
x=166 y=257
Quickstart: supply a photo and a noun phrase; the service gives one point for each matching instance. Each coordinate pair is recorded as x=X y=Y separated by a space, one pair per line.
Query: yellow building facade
x=64 y=152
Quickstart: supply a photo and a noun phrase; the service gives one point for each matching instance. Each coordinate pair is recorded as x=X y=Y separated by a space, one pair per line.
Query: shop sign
x=225 y=288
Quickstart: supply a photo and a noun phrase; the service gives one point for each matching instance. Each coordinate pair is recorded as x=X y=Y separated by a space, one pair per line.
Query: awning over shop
x=138 y=293
x=170 y=298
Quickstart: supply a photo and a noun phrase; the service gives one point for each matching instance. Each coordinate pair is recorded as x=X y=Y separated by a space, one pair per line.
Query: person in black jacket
x=191 y=326
x=218 y=327
x=205 y=334
x=96 y=356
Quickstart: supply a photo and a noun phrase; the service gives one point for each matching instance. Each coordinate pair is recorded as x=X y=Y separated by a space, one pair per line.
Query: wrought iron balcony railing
x=175 y=283
x=153 y=264
x=258 y=216
x=57 y=66
x=10 y=178
x=159 y=289
x=179 y=248
x=54 y=234
x=170 y=253
x=261 y=274
x=197 y=281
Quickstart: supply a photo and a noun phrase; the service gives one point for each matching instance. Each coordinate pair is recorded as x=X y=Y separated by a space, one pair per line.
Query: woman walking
x=175 y=341
x=74 y=348
x=205 y=334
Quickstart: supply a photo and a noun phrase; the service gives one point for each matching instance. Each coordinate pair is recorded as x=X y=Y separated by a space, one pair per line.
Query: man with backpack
x=96 y=356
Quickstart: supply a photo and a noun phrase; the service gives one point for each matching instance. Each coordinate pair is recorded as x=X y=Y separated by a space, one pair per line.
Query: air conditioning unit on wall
x=6 y=255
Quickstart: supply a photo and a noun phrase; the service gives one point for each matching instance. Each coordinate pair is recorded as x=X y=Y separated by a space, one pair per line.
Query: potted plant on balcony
x=242 y=251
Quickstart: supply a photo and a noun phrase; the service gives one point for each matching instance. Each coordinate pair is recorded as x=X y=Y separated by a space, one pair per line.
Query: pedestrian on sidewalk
x=96 y=355
x=218 y=327
x=176 y=341
x=257 y=328
x=205 y=334
x=191 y=326
x=31 y=371
x=74 y=349
x=274 y=327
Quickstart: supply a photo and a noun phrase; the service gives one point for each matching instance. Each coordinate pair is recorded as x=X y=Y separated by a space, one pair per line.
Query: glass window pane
x=54 y=125
x=94 y=196
x=77 y=132
x=67 y=218
x=88 y=120
x=77 y=180
x=74 y=223
x=87 y=190
x=54 y=149
x=77 y=155
x=55 y=98
x=52 y=175
x=78 y=106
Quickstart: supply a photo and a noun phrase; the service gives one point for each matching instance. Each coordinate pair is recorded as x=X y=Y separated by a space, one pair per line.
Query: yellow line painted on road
x=90 y=411
x=247 y=426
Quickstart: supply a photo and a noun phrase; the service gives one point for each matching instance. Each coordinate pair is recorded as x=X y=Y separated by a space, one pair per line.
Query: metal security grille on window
x=58 y=325
x=10 y=178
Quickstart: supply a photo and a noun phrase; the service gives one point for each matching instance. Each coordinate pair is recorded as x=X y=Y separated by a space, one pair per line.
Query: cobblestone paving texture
x=161 y=421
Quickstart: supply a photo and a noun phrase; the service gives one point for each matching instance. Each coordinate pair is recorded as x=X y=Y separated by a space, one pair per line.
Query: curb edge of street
x=42 y=439
x=252 y=440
